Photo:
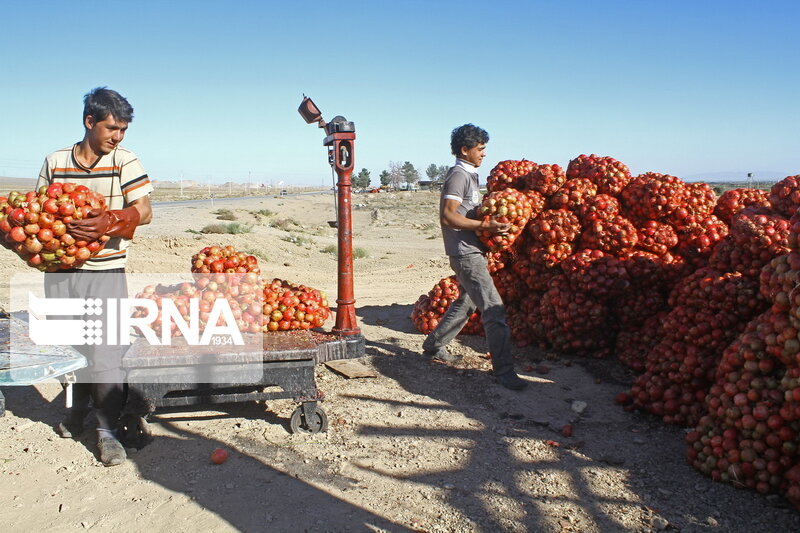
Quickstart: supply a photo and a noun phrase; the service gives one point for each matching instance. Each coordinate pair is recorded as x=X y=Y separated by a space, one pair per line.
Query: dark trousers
x=103 y=380
x=477 y=291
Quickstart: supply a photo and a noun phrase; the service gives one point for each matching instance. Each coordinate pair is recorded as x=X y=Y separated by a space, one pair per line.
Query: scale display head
x=310 y=112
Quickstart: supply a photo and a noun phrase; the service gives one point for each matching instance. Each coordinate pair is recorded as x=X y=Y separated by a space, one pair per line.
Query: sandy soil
x=421 y=447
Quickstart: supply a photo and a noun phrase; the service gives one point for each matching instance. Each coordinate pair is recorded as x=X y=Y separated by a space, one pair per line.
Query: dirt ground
x=421 y=447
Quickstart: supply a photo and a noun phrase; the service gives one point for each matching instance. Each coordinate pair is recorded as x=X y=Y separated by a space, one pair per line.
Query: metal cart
x=25 y=363
x=284 y=370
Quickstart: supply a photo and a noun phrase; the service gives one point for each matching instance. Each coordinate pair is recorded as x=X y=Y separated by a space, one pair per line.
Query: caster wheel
x=317 y=424
x=134 y=431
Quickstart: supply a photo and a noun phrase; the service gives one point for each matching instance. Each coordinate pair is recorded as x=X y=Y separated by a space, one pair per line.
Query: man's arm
x=451 y=218
x=145 y=209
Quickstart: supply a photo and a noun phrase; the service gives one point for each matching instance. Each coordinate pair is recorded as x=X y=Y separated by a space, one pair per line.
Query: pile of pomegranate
x=223 y=259
x=430 y=307
x=34 y=225
x=240 y=291
x=698 y=294
x=291 y=306
x=750 y=429
x=258 y=306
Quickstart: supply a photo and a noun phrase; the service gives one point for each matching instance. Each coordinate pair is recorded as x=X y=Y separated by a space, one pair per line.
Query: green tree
x=385 y=177
x=442 y=172
x=432 y=172
x=361 y=181
x=409 y=173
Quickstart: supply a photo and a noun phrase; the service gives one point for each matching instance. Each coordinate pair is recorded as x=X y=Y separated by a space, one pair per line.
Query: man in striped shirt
x=101 y=164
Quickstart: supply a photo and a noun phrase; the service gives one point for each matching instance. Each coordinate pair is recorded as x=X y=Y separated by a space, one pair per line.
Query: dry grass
x=300 y=240
x=285 y=224
x=233 y=228
x=358 y=252
x=225 y=214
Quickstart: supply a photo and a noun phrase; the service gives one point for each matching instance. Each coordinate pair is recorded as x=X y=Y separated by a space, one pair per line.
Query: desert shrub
x=258 y=253
x=300 y=240
x=358 y=252
x=225 y=214
x=232 y=228
x=285 y=224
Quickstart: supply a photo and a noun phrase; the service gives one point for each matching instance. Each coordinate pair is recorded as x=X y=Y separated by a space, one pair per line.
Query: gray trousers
x=477 y=291
x=103 y=381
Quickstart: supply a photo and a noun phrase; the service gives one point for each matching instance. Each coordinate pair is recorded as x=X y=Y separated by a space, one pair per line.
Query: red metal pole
x=343 y=146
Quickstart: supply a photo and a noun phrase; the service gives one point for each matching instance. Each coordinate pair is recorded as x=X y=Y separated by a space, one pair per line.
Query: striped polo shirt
x=118 y=175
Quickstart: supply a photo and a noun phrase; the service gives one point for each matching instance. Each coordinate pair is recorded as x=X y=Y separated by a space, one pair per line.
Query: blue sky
x=686 y=88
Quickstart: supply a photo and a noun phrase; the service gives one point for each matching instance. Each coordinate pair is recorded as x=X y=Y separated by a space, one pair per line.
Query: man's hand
x=116 y=223
x=90 y=228
x=493 y=226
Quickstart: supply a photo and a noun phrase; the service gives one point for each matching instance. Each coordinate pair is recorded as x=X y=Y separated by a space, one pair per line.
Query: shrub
x=258 y=253
x=233 y=228
x=358 y=253
x=285 y=224
x=225 y=214
x=299 y=240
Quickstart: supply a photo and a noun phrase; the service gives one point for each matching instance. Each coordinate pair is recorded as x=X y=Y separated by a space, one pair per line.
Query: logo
x=112 y=319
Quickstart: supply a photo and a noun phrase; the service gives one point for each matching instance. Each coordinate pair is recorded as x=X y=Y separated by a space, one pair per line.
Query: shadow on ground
x=246 y=491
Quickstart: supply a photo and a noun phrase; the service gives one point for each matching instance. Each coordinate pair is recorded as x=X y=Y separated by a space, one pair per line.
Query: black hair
x=468 y=136
x=101 y=102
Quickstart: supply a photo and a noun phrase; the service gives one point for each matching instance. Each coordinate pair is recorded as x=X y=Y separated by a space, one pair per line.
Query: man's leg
x=107 y=375
x=57 y=285
x=473 y=275
x=71 y=426
x=453 y=321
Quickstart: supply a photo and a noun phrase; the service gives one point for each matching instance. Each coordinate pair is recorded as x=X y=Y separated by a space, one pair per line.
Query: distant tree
x=410 y=174
x=442 y=172
x=395 y=174
x=361 y=181
x=385 y=177
x=432 y=172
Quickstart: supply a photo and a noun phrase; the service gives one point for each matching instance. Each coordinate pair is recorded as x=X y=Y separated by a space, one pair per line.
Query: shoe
x=442 y=355
x=71 y=426
x=511 y=380
x=111 y=451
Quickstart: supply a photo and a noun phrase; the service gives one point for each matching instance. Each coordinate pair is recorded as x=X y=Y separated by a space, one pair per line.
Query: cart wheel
x=317 y=424
x=134 y=431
